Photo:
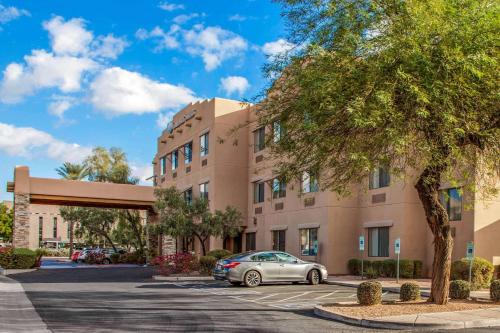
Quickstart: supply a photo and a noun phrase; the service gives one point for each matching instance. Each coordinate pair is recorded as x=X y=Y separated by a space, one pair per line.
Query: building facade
x=201 y=153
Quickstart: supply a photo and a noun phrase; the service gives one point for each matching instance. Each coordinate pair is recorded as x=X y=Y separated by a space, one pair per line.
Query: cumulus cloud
x=164 y=118
x=234 y=84
x=169 y=7
x=142 y=172
x=277 y=48
x=183 y=18
x=108 y=46
x=30 y=142
x=117 y=91
x=213 y=44
x=61 y=104
x=68 y=37
x=8 y=14
x=43 y=70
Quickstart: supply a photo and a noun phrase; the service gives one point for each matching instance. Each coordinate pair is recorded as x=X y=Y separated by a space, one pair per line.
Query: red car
x=74 y=256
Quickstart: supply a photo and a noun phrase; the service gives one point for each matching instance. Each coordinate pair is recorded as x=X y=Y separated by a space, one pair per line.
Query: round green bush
x=482 y=272
x=207 y=264
x=369 y=293
x=459 y=289
x=495 y=291
x=410 y=291
x=18 y=258
x=219 y=253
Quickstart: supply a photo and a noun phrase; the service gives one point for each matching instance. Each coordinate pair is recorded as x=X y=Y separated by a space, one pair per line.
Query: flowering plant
x=175 y=263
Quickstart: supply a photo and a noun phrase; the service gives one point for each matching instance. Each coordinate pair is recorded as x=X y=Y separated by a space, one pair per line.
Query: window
x=266 y=256
x=309 y=242
x=175 y=159
x=188 y=196
x=279 y=188
x=277 y=131
x=69 y=230
x=163 y=165
x=309 y=182
x=379 y=178
x=285 y=257
x=188 y=152
x=378 y=242
x=279 y=240
x=451 y=199
x=250 y=241
x=259 y=138
x=40 y=230
x=204 y=145
x=258 y=192
x=54 y=231
x=204 y=191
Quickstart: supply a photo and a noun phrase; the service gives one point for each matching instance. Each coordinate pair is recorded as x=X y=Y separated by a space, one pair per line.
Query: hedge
x=386 y=268
x=18 y=258
x=482 y=272
x=219 y=254
x=495 y=291
x=207 y=264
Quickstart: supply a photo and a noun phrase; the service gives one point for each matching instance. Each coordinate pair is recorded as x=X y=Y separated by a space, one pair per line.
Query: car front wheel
x=252 y=279
x=314 y=277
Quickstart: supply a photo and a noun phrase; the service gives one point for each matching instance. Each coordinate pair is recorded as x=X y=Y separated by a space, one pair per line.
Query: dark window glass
x=309 y=182
x=204 y=145
x=175 y=159
x=163 y=165
x=259 y=137
x=40 y=230
x=54 y=232
x=451 y=199
x=188 y=195
x=188 y=152
x=309 y=242
x=266 y=256
x=379 y=177
x=250 y=241
x=204 y=191
x=279 y=188
x=378 y=241
x=258 y=192
x=279 y=240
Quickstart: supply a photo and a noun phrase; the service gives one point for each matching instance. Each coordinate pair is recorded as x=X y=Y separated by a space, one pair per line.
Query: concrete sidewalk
x=390 y=284
x=17 y=313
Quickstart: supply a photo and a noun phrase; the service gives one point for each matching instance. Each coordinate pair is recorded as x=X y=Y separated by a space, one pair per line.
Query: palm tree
x=72 y=171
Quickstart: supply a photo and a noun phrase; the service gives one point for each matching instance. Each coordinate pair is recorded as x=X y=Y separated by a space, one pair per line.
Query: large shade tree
x=411 y=85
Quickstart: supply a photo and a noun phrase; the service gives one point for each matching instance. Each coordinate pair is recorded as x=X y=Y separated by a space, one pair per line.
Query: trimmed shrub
x=410 y=291
x=369 y=293
x=115 y=258
x=219 y=254
x=495 y=291
x=371 y=273
x=177 y=263
x=459 y=289
x=17 y=258
x=482 y=272
x=378 y=267
x=354 y=266
x=389 y=268
x=40 y=252
x=207 y=264
x=406 y=268
x=132 y=258
x=418 y=269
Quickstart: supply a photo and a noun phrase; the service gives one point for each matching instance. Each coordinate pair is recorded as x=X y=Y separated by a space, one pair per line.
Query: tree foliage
x=6 y=221
x=179 y=218
x=407 y=84
x=129 y=230
x=109 y=166
x=72 y=171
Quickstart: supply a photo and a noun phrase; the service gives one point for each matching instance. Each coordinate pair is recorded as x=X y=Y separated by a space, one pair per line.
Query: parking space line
x=261 y=298
x=292 y=297
x=323 y=296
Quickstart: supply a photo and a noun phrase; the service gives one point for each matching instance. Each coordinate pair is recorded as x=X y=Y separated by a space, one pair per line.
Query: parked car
x=109 y=252
x=74 y=255
x=253 y=268
x=83 y=254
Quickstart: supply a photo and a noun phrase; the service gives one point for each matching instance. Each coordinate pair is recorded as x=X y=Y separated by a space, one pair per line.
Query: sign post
x=470 y=257
x=361 y=250
x=397 y=250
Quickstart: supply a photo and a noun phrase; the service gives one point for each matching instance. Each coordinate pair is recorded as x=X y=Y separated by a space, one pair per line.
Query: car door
x=291 y=268
x=269 y=266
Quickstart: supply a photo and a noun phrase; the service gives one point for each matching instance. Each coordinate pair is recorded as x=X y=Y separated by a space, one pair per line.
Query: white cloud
x=43 y=70
x=68 y=37
x=8 y=14
x=237 y=17
x=233 y=84
x=169 y=7
x=164 y=118
x=143 y=172
x=117 y=91
x=30 y=142
x=61 y=104
x=166 y=39
x=277 y=48
x=183 y=18
x=108 y=46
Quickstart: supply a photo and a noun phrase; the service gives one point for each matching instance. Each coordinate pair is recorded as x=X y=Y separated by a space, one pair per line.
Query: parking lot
x=282 y=296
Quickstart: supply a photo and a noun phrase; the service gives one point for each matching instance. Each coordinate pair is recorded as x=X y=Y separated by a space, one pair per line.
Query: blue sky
x=80 y=74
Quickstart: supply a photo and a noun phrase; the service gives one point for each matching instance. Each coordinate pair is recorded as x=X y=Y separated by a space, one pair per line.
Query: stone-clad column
x=21 y=225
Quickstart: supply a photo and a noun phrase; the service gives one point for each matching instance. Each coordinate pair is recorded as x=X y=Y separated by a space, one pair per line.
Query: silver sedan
x=254 y=268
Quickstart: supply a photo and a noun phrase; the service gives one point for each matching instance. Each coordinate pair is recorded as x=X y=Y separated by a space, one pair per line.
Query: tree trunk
x=202 y=243
x=71 y=239
x=136 y=230
x=437 y=218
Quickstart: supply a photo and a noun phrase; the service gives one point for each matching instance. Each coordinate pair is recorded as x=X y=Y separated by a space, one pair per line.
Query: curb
x=379 y=323
x=182 y=278
x=389 y=289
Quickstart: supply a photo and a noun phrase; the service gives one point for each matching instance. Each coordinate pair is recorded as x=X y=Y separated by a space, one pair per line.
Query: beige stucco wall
x=47 y=213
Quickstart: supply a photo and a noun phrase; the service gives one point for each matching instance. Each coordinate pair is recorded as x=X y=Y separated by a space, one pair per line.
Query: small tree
x=6 y=220
x=179 y=218
x=128 y=230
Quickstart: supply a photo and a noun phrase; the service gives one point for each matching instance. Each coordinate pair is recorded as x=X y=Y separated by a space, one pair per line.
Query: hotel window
x=188 y=196
x=277 y=131
x=163 y=165
x=309 y=242
x=309 y=182
x=279 y=240
x=250 y=241
x=175 y=159
x=258 y=192
x=378 y=242
x=204 y=145
x=54 y=231
x=279 y=188
x=68 y=230
x=40 y=230
x=188 y=152
x=259 y=138
x=451 y=199
x=204 y=191
x=379 y=178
